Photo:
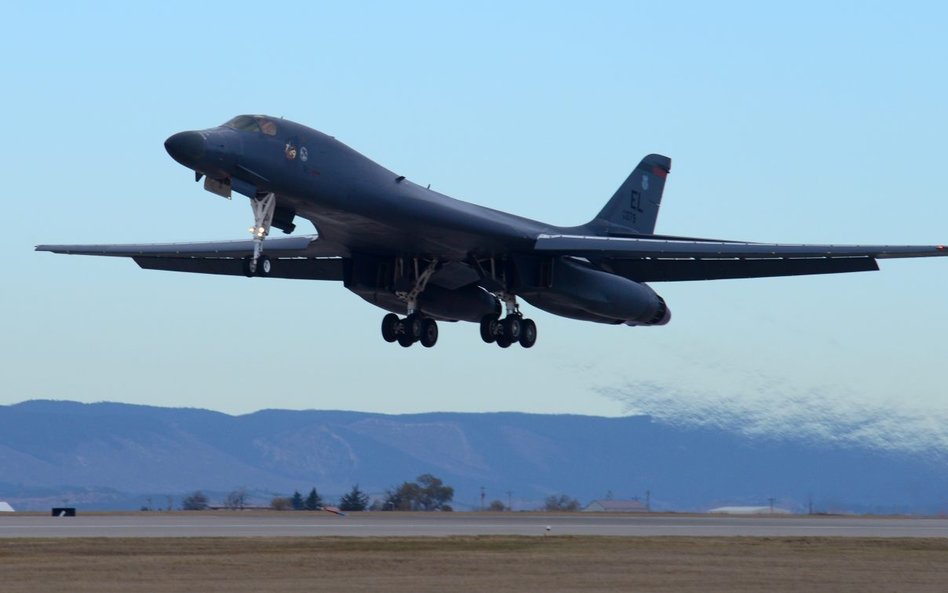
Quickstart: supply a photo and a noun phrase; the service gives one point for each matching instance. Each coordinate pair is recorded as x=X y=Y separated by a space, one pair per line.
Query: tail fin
x=634 y=207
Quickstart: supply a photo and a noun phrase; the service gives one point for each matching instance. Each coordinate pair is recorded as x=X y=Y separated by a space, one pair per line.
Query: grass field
x=495 y=564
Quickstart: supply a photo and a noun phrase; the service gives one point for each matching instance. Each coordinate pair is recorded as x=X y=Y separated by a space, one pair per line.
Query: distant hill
x=112 y=455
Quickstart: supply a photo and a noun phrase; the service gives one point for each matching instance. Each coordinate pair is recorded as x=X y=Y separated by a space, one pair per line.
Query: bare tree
x=236 y=500
x=496 y=506
x=560 y=504
x=196 y=501
x=281 y=503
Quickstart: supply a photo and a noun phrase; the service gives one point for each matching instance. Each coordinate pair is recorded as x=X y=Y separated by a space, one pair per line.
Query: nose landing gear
x=263 y=209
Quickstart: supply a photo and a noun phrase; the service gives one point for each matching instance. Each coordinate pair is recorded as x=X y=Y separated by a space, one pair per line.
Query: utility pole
x=648 y=501
x=509 y=504
x=482 y=498
x=771 y=504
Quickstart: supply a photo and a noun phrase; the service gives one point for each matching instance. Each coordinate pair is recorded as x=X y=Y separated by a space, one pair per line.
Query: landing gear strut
x=511 y=329
x=263 y=209
x=415 y=327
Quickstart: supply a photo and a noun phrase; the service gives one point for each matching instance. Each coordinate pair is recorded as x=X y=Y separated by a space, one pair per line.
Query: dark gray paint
x=383 y=229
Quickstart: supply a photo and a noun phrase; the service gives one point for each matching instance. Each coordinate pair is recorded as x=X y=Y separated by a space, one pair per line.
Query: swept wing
x=304 y=257
x=670 y=259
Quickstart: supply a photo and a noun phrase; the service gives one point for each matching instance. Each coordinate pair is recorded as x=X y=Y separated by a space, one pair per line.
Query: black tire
x=404 y=340
x=429 y=333
x=528 y=333
x=413 y=327
x=512 y=328
x=390 y=327
x=246 y=267
x=503 y=341
x=487 y=328
x=264 y=266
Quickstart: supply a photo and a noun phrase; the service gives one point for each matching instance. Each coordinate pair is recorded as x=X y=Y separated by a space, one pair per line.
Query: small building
x=5 y=507
x=616 y=506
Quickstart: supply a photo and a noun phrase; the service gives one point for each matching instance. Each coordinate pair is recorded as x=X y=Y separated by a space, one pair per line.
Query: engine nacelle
x=577 y=290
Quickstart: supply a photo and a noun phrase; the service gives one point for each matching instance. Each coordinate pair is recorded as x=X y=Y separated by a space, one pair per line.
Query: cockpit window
x=253 y=123
x=267 y=127
x=244 y=122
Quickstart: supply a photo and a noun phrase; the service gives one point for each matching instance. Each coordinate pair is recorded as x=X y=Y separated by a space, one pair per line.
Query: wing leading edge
x=304 y=257
x=658 y=260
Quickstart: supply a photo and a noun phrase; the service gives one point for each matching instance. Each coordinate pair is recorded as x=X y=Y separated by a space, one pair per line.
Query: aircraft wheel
x=528 y=333
x=246 y=266
x=413 y=327
x=512 y=327
x=389 y=327
x=503 y=341
x=487 y=328
x=404 y=340
x=264 y=266
x=429 y=332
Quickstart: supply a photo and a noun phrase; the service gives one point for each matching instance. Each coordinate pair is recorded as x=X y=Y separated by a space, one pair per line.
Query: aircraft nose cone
x=186 y=147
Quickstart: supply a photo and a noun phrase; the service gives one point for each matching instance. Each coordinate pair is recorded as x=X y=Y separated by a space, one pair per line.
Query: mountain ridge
x=112 y=453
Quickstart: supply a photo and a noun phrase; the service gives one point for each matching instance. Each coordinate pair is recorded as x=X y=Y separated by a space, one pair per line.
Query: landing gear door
x=223 y=187
x=218 y=187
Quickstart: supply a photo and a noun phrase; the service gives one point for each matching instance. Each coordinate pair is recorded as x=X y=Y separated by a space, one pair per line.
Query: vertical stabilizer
x=633 y=209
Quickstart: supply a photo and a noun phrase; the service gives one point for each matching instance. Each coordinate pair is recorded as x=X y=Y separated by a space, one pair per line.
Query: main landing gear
x=511 y=329
x=415 y=327
x=263 y=208
x=406 y=331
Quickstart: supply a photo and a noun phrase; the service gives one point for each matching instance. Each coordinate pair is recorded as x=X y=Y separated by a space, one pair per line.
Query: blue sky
x=810 y=122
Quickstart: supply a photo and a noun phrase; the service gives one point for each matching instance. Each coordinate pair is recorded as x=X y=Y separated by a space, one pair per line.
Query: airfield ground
x=460 y=564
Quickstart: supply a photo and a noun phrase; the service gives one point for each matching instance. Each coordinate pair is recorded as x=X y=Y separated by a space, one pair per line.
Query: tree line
x=426 y=493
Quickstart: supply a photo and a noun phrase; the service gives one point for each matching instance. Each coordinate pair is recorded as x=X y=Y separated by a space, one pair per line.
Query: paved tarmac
x=304 y=524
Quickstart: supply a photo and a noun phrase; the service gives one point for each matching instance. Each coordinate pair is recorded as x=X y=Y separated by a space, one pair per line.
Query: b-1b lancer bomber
x=417 y=253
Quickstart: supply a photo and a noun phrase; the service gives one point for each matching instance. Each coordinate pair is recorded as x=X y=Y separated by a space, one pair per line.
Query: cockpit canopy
x=253 y=123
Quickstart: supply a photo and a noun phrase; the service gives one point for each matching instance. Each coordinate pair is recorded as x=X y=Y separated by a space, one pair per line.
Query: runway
x=304 y=524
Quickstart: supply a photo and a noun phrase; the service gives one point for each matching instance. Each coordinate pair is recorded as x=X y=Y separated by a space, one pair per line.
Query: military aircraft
x=413 y=251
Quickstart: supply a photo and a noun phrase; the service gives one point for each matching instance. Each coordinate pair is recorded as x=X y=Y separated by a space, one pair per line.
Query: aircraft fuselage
x=414 y=251
x=350 y=199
